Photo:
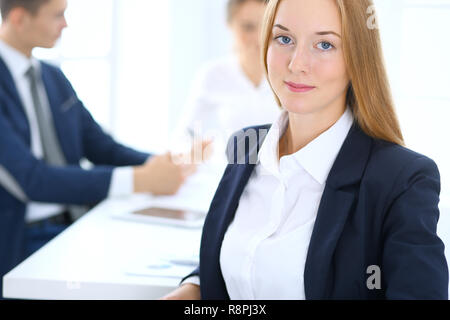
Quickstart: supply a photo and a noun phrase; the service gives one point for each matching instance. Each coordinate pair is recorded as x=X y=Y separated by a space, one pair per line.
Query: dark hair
x=31 y=6
x=233 y=5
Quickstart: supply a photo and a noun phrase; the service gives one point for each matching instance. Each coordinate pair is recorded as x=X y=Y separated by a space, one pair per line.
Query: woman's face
x=305 y=60
x=245 y=25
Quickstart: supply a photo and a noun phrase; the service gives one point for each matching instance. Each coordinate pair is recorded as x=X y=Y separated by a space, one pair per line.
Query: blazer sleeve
x=195 y=273
x=34 y=180
x=413 y=260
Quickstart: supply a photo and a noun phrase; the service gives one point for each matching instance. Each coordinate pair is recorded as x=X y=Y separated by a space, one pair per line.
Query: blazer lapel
x=222 y=212
x=53 y=95
x=234 y=181
x=15 y=109
x=337 y=202
x=240 y=174
x=56 y=104
x=8 y=82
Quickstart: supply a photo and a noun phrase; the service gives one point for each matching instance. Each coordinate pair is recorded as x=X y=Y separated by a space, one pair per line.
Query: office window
x=425 y=103
x=116 y=54
x=85 y=54
x=416 y=50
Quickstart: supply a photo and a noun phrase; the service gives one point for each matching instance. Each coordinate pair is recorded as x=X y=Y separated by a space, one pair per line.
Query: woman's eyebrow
x=324 y=33
x=320 y=33
x=281 y=27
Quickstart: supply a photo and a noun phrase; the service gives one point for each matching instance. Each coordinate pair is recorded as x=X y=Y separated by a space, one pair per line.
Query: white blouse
x=223 y=100
x=264 y=250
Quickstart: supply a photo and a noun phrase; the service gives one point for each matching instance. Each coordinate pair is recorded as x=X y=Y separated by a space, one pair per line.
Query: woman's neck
x=304 y=128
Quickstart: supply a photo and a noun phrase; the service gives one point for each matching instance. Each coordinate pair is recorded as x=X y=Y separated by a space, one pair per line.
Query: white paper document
x=163 y=267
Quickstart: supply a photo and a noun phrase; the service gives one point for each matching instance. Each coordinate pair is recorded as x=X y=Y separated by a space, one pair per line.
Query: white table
x=102 y=257
x=90 y=260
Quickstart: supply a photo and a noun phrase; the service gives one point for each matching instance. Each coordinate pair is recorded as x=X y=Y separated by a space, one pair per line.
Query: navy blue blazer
x=379 y=208
x=80 y=137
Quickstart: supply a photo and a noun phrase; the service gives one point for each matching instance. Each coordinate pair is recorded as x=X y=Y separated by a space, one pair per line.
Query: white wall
x=198 y=34
x=414 y=34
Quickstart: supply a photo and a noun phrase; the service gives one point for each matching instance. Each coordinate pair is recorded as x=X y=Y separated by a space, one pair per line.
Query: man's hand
x=161 y=175
x=165 y=174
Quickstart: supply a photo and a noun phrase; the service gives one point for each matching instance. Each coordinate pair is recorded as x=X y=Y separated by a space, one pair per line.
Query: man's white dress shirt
x=18 y=64
x=264 y=250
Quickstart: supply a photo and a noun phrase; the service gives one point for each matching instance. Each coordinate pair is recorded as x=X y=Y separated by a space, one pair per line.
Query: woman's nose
x=300 y=61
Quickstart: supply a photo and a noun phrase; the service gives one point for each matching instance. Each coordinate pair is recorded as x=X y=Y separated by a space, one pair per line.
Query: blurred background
x=132 y=62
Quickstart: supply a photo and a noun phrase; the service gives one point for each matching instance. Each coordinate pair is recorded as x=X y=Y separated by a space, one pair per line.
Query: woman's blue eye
x=325 y=46
x=284 y=40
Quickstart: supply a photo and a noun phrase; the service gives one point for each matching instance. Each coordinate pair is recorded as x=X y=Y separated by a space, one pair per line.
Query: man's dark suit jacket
x=379 y=208
x=35 y=181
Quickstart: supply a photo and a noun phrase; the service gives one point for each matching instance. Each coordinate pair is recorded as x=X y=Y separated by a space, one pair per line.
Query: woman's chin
x=299 y=107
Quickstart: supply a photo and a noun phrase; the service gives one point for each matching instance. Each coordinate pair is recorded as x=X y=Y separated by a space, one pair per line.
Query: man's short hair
x=31 y=6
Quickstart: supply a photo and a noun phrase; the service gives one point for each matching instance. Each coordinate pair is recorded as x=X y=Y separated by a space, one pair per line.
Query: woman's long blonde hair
x=369 y=94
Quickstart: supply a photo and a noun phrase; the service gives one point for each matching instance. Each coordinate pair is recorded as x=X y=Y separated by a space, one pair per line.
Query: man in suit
x=44 y=133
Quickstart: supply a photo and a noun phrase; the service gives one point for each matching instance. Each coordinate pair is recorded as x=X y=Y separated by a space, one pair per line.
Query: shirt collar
x=268 y=154
x=316 y=158
x=17 y=63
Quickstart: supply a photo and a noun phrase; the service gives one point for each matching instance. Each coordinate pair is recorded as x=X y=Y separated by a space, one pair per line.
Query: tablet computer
x=159 y=215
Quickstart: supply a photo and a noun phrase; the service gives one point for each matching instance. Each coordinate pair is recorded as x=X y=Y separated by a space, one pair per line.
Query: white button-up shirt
x=223 y=100
x=264 y=250
x=18 y=64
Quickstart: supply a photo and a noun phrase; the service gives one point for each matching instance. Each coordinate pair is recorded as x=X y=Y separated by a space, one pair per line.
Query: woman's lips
x=298 y=87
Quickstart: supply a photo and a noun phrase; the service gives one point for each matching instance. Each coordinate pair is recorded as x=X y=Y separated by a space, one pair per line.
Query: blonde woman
x=334 y=206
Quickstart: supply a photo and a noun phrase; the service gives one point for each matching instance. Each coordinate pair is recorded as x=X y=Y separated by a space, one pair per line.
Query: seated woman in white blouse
x=231 y=93
x=326 y=203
